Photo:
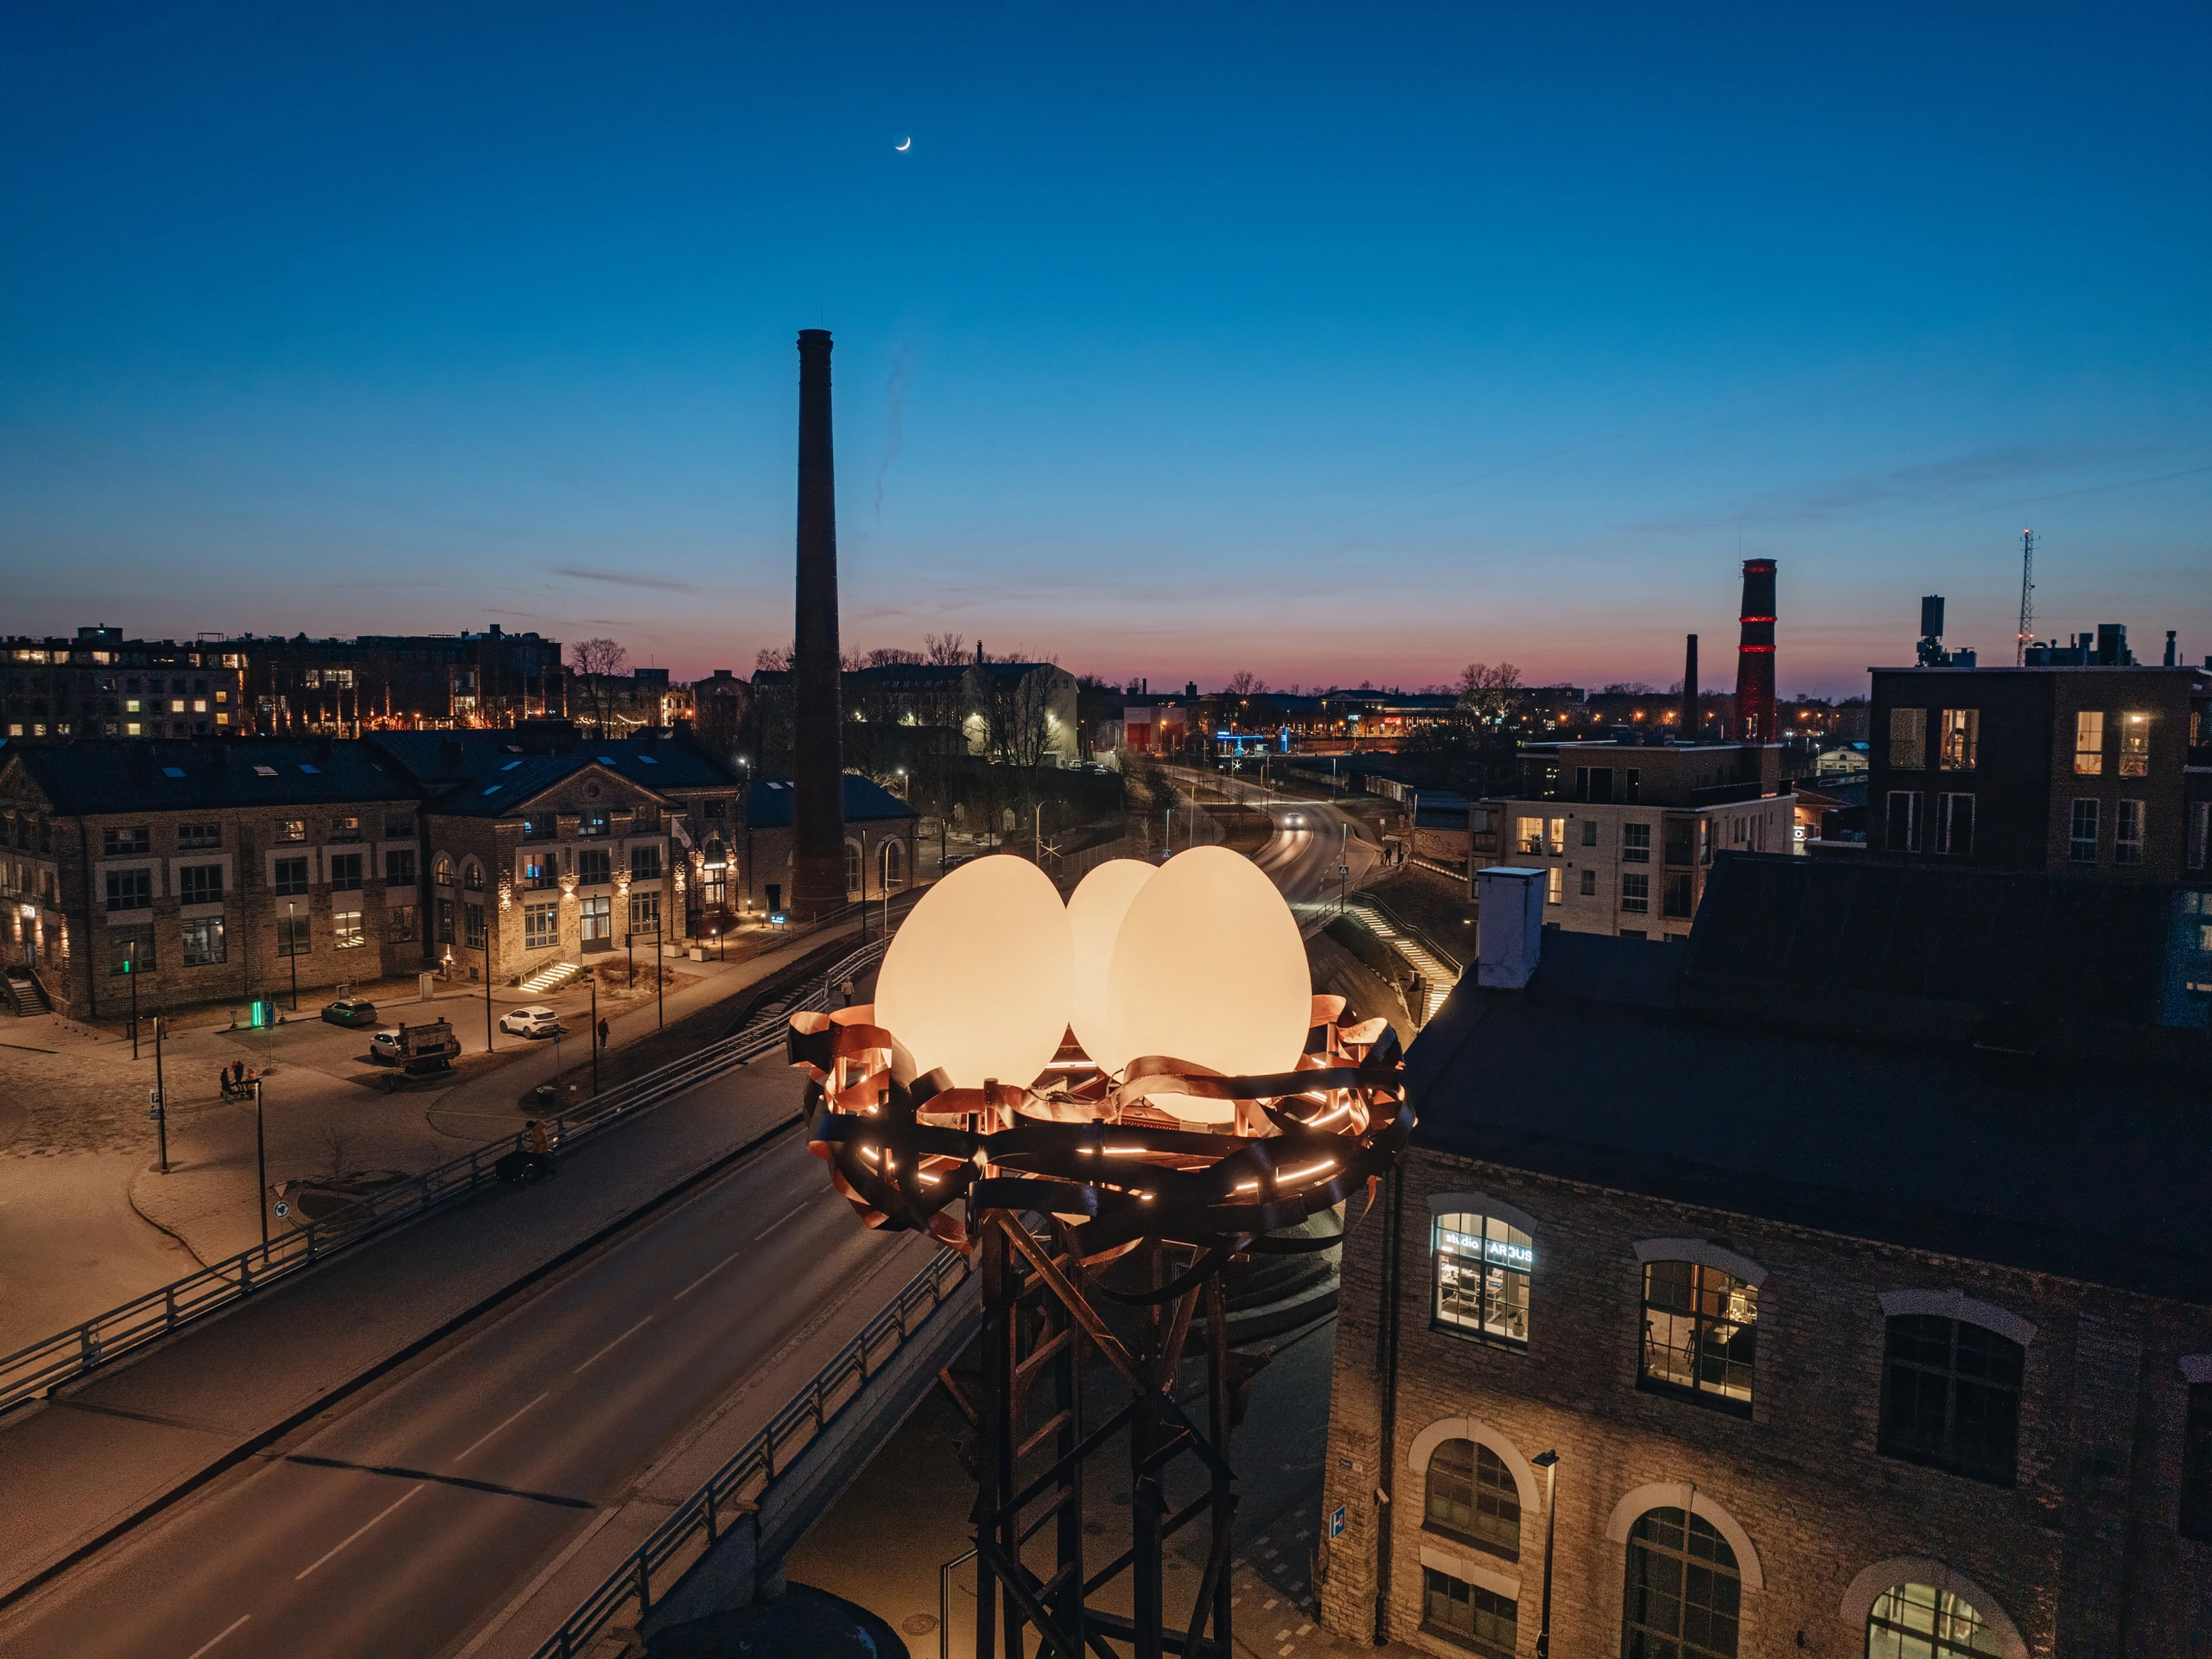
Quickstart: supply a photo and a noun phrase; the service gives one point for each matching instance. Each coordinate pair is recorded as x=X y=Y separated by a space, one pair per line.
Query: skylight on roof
x=305 y=767
x=647 y=760
x=514 y=748
x=173 y=772
x=511 y=766
x=264 y=772
x=495 y=788
x=605 y=759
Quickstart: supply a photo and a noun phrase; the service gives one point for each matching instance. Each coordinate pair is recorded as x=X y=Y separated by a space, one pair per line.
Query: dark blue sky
x=1332 y=342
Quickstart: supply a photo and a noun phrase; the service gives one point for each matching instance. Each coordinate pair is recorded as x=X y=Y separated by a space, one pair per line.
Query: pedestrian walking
x=605 y=1030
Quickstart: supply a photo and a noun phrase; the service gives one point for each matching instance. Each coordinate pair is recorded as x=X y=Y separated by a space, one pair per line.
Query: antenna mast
x=2027 y=597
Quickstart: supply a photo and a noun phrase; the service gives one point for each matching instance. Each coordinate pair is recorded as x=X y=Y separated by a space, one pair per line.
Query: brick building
x=1855 y=1261
x=880 y=845
x=100 y=684
x=206 y=870
x=2089 y=769
x=398 y=681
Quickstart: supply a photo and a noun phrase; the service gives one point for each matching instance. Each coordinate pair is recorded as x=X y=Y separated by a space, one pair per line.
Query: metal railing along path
x=44 y=1365
x=738 y=1485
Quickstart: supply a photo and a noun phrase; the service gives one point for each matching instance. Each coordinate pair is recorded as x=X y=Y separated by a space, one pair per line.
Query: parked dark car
x=353 y=1011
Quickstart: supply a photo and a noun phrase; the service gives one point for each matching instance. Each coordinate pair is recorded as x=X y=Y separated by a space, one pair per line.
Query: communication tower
x=2027 y=597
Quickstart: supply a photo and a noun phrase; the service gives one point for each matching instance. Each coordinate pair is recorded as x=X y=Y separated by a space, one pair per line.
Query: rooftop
x=111 y=777
x=768 y=802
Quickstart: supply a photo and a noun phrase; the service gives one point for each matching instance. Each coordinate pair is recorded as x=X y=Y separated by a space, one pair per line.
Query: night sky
x=1329 y=342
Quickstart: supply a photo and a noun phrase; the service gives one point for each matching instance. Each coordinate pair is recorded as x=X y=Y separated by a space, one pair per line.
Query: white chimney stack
x=1510 y=932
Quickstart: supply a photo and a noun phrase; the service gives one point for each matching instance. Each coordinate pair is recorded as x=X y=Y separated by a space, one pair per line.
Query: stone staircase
x=25 y=995
x=552 y=977
x=1438 y=976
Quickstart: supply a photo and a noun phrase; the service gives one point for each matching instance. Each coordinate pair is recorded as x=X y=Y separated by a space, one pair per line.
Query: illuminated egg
x=980 y=977
x=1210 y=968
x=1095 y=911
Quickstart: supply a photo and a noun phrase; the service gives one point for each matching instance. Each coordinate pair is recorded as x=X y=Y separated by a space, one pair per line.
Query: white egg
x=980 y=977
x=1209 y=967
x=1096 y=909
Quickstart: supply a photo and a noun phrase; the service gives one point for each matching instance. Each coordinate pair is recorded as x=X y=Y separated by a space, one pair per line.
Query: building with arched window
x=1854 y=1263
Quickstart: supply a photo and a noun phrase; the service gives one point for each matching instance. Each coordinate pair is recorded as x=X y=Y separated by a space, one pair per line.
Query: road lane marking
x=535 y=1583
x=779 y=1220
x=539 y=1401
x=404 y=1496
x=707 y=1274
x=210 y=1648
x=613 y=1346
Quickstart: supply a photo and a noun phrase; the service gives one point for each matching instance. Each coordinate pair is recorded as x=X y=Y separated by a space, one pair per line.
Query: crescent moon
x=904 y=144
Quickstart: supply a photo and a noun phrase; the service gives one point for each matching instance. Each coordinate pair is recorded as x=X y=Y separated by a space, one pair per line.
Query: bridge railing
x=43 y=1365
x=654 y=1568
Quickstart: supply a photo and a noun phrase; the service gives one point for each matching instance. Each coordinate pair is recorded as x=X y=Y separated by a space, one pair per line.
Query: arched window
x=1471 y=1496
x=894 y=865
x=1951 y=1396
x=471 y=876
x=1684 y=1592
x=1700 y=1331
x=1918 y=1621
x=444 y=871
x=1483 y=1264
x=852 y=869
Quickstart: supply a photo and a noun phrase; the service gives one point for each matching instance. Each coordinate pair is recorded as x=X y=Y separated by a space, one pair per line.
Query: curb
x=189 y=1483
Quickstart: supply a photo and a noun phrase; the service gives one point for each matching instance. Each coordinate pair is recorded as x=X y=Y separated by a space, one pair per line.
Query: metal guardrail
x=43 y=1365
x=738 y=1485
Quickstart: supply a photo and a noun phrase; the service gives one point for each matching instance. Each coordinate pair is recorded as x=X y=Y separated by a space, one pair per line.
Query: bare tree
x=943 y=650
x=597 y=661
x=892 y=657
x=773 y=659
x=1245 y=683
x=1486 y=691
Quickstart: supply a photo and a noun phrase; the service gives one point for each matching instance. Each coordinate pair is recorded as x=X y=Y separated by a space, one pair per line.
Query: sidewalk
x=75 y=1128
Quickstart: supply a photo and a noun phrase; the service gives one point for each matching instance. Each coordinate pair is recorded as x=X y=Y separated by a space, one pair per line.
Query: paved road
x=1312 y=836
x=405 y=1522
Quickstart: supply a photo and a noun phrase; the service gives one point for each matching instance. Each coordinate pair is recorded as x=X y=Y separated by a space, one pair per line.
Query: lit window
x=598 y=917
x=1556 y=885
x=2135 y=746
x=400 y=923
x=1908 y=739
x=1951 y=1396
x=1471 y=1496
x=1700 y=1332
x=1556 y=837
x=1684 y=1592
x=1961 y=738
x=2082 y=837
x=1528 y=835
x=291 y=830
x=644 y=912
x=1482 y=1277
x=203 y=941
x=347 y=931
x=1636 y=894
x=541 y=926
x=2089 y=743
x=1918 y=1621
x=2128 y=832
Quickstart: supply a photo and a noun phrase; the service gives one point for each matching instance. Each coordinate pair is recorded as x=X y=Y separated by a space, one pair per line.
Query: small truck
x=418 y=1050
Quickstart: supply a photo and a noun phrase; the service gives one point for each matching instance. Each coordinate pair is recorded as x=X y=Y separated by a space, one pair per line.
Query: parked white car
x=535 y=1022
x=386 y=1047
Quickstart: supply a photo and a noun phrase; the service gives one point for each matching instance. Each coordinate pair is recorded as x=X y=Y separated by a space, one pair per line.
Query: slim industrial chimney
x=1755 y=656
x=817 y=758
x=1689 y=692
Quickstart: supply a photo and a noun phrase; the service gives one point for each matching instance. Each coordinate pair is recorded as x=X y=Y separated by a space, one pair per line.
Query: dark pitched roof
x=108 y=776
x=1805 y=1060
x=768 y=802
x=491 y=773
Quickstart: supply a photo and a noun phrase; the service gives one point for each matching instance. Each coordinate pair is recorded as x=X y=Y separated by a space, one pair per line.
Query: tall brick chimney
x=1755 y=656
x=817 y=727
x=1689 y=692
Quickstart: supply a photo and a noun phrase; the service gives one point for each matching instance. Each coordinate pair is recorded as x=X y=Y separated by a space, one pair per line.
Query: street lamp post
x=1548 y=1462
x=595 y=1033
x=292 y=949
x=130 y=972
x=630 y=943
x=161 y=1096
x=487 y=986
x=261 y=1164
x=660 y=982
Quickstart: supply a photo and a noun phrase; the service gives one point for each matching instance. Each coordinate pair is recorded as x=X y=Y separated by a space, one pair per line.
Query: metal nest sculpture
x=1120 y=1147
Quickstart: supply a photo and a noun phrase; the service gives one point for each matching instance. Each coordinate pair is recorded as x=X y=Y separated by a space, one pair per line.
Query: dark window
x=1636 y=894
x=1681 y=841
x=445 y=921
x=2127 y=833
x=1951 y=1396
x=1487 y=1623
x=198 y=837
x=130 y=889
x=540 y=826
x=1471 y=1496
x=295 y=934
x=1677 y=892
x=2197 y=1464
x=1482 y=1277
x=591 y=822
x=713 y=808
x=472 y=914
x=594 y=867
x=200 y=884
x=1701 y=1333
x=647 y=818
x=1589 y=832
x=1635 y=843
x=346 y=872
x=399 y=826
x=122 y=843
x=2082 y=843
x=292 y=877
x=645 y=863
x=131 y=952
x=399 y=924
x=1954 y=824
x=471 y=876
x=644 y=912
x=1589 y=884
x=1905 y=821
x=399 y=867
x=1683 y=1590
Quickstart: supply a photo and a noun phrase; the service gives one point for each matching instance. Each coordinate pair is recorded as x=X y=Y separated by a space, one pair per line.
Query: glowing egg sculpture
x=1096 y=910
x=979 y=980
x=1147 y=1061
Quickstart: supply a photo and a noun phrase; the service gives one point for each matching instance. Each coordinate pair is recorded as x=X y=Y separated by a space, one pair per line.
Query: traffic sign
x=153 y=1096
x=1337 y=1522
x=155 y=1114
x=283 y=1210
